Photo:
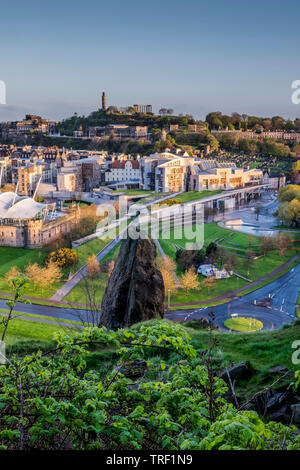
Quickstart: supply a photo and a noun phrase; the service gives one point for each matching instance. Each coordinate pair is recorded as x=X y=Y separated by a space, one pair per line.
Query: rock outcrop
x=280 y=404
x=135 y=291
x=240 y=371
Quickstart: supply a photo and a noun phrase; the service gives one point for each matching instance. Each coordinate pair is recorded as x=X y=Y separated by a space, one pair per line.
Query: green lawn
x=90 y=248
x=233 y=241
x=263 y=349
x=133 y=192
x=27 y=330
x=213 y=233
x=21 y=257
x=79 y=295
x=42 y=317
x=194 y=195
x=78 y=203
x=243 y=324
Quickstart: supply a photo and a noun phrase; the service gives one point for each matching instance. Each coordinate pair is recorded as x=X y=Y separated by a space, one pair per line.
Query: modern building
x=28 y=176
x=213 y=175
x=165 y=172
x=27 y=223
x=69 y=178
x=5 y=170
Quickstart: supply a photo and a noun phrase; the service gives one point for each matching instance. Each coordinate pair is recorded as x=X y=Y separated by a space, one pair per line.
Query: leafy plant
x=53 y=401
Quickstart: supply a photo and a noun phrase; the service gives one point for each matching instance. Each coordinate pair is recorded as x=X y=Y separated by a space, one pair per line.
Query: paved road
x=45 y=310
x=283 y=292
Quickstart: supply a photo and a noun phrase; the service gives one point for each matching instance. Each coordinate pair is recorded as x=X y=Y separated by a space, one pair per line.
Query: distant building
x=274 y=180
x=30 y=125
x=27 y=177
x=69 y=179
x=143 y=108
x=212 y=175
x=119 y=131
x=277 y=135
x=78 y=133
x=5 y=170
x=165 y=172
x=126 y=170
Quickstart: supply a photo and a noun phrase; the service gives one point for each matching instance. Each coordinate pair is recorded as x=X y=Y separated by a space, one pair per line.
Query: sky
x=194 y=56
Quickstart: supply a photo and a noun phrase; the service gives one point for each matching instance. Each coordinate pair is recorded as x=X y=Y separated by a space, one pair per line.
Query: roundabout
x=243 y=324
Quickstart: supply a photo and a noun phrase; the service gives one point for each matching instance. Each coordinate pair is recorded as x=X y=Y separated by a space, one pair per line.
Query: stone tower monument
x=103 y=101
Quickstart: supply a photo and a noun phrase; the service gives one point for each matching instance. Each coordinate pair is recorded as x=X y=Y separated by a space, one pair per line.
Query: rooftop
x=17 y=207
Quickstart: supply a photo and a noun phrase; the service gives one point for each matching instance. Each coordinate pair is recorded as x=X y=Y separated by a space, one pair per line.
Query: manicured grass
x=213 y=233
x=243 y=324
x=19 y=257
x=268 y=281
x=194 y=195
x=79 y=294
x=31 y=290
x=232 y=241
x=42 y=317
x=221 y=287
x=134 y=192
x=28 y=330
x=90 y=248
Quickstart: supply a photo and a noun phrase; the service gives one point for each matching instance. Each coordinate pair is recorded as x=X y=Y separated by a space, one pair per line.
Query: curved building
x=30 y=224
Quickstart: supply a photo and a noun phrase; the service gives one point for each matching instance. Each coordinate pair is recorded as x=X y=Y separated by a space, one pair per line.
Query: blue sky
x=194 y=56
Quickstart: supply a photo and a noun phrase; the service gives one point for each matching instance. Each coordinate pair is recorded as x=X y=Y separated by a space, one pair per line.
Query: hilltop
x=103 y=118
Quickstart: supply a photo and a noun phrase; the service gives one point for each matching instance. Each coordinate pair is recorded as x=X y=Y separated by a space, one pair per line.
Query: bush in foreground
x=53 y=401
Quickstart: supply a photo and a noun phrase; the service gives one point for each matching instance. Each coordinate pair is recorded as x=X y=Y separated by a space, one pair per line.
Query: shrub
x=63 y=257
x=53 y=401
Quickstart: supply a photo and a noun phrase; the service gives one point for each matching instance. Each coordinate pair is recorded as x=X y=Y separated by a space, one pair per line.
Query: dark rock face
x=240 y=371
x=135 y=291
x=279 y=405
x=295 y=409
